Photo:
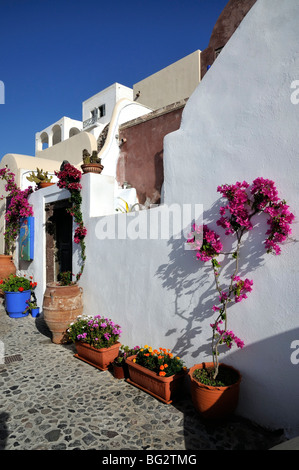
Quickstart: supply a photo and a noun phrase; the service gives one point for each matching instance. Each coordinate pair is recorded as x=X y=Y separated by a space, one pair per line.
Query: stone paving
x=52 y=401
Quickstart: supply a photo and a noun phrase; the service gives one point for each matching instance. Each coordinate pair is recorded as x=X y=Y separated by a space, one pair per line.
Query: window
x=94 y=113
x=102 y=110
x=217 y=51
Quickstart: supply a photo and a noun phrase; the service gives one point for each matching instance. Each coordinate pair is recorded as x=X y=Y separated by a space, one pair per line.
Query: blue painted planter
x=16 y=303
x=35 y=312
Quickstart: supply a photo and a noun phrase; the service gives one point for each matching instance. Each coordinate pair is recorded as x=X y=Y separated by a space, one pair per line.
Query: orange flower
x=147 y=354
x=161 y=367
x=170 y=354
x=162 y=373
x=165 y=365
x=160 y=357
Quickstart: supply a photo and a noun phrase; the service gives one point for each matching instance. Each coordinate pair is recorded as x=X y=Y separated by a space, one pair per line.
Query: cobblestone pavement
x=50 y=400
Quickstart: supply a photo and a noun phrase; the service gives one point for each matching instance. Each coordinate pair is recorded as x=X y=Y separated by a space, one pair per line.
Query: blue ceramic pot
x=16 y=303
x=35 y=312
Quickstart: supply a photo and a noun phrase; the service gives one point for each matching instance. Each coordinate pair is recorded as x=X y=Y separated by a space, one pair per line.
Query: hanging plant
x=18 y=207
x=69 y=178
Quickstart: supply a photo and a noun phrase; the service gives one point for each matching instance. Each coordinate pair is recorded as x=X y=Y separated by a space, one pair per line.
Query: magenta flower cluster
x=69 y=178
x=243 y=205
x=209 y=246
x=80 y=233
x=98 y=331
x=228 y=337
x=241 y=288
x=18 y=207
x=243 y=202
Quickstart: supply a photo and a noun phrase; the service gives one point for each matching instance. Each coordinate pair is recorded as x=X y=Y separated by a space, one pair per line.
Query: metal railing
x=89 y=122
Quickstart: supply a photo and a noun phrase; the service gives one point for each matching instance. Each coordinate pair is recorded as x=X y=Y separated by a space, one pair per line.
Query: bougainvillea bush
x=18 y=206
x=242 y=203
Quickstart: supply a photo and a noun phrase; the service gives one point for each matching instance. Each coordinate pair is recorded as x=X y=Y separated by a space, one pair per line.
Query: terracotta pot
x=61 y=306
x=120 y=371
x=7 y=268
x=92 y=168
x=43 y=184
x=99 y=358
x=164 y=389
x=214 y=402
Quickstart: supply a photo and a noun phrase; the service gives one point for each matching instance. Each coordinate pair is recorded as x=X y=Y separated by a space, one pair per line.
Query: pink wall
x=141 y=158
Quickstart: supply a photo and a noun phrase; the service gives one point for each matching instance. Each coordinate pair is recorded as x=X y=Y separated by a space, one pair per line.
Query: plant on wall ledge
x=18 y=207
x=243 y=203
x=69 y=178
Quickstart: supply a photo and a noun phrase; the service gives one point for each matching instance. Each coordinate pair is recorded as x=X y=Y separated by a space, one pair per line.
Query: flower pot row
x=211 y=402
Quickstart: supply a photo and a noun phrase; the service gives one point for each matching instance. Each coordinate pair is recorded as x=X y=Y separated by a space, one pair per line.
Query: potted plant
x=96 y=340
x=17 y=293
x=120 y=368
x=40 y=178
x=215 y=386
x=157 y=372
x=62 y=303
x=91 y=163
x=17 y=207
x=33 y=308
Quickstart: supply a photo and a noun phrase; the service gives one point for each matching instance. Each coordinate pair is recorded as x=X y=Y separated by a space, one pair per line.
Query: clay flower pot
x=44 y=184
x=214 y=402
x=120 y=371
x=61 y=306
x=92 y=168
x=164 y=389
x=99 y=358
x=7 y=267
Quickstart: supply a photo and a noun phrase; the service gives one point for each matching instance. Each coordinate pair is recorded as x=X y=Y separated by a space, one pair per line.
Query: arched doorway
x=56 y=134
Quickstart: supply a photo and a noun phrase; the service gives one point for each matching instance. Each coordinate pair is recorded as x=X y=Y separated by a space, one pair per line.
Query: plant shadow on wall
x=194 y=289
x=194 y=282
x=246 y=208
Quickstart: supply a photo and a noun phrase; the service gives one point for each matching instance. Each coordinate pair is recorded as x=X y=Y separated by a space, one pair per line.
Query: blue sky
x=56 y=54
